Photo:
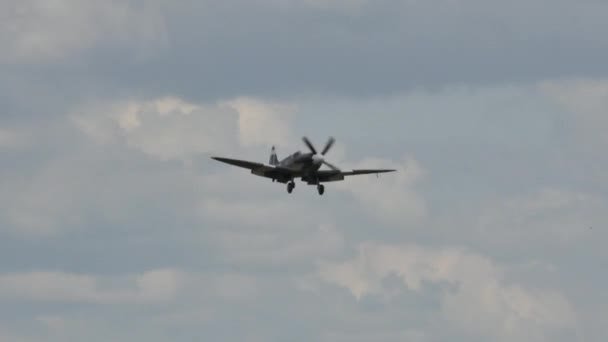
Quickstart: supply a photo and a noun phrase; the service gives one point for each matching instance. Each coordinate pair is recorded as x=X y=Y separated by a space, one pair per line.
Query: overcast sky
x=115 y=225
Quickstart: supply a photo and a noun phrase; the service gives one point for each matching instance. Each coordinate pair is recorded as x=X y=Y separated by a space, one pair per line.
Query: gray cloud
x=36 y=31
x=270 y=48
x=106 y=211
x=115 y=224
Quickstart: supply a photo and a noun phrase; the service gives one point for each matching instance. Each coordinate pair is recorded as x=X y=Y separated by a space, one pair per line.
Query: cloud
x=40 y=204
x=123 y=199
x=478 y=299
x=339 y=6
x=41 y=31
x=262 y=122
x=83 y=185
x=368 y=48
x=166 y=128
x=149 y=287
x=54 y=323
x=587 y=101
x=204 y=60
x=410 y=336
x=392 y=198
x=158 y=285
x=169 y=128
x=11 y=138
x=284 y=245
x=60 y=193
x=6 y=336
x=248 y=212
x=554 y=218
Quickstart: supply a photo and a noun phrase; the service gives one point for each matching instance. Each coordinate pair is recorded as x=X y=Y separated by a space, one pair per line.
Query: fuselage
x=304 y=163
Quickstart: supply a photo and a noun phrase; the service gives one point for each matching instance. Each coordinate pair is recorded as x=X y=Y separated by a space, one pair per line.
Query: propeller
x=330 y=143
x=331 y=166
x=319 y=158
x=311 y=147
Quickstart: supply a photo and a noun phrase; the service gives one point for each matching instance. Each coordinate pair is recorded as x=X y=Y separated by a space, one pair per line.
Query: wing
x=277 y=173
x=334 y=176
x=367 y=172
x=240 y=163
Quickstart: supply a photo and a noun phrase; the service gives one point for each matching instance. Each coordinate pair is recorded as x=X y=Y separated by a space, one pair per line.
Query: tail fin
x=274 y=160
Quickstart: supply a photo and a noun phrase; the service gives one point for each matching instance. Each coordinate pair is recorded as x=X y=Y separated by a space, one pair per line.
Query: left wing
x=337 y=175
x=277 y=173
x=367 y=172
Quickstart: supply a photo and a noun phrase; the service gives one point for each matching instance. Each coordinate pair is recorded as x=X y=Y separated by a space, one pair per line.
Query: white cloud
x=82 y=182
x=587 y=101
x=385 y=336
x=235 y=286
x=169 y=128
x=60 y=192
x=549 y=217
x=480 y=301
x=123 y=183
x=165 y=128
x=283 y=245
x=261 y=122
x=5 y=335
x=340 y=6
x=390 y=197
x=41 y=30
x=11 y=138
x=249 y=212
x=54 y=323
x=149 y=287
x=37 y=205
x=158 y=285
x=56 y=196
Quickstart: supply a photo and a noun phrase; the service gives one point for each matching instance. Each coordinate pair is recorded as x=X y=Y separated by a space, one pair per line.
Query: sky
x=115 y=224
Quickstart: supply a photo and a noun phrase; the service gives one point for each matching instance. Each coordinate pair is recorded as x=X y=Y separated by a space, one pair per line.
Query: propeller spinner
x=319 y=158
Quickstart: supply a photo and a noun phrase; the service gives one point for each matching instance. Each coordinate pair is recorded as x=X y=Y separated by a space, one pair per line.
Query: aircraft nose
x=317 y=159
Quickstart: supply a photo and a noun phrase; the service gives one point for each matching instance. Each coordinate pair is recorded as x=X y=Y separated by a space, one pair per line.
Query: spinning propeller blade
x=311 y=147
x=330 y=143
x=331 y=166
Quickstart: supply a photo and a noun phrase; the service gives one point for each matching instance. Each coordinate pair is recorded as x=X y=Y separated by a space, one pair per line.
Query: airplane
x=301 y=165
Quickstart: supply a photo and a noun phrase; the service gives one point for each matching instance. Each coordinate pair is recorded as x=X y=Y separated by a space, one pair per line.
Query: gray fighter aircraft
x=300 y=165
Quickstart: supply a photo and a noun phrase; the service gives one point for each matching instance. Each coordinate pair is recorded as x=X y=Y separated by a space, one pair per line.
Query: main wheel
x=290 y=187
x=321 y=189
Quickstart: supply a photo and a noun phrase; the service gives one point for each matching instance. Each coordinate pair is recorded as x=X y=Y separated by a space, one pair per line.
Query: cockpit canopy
x=292 y=157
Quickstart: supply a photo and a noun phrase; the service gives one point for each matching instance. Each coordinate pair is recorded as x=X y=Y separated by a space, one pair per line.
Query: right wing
x=277 y=173
x=240 y=163
x=336 y=176
x=366 y=172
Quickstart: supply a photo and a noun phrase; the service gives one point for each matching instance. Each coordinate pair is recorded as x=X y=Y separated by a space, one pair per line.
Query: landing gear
x=321 y=189
x=290 y=187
